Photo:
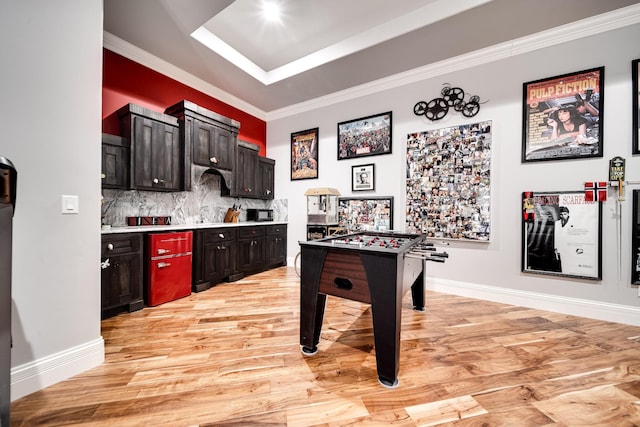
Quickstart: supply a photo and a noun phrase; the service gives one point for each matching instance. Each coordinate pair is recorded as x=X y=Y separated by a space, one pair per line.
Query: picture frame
x=562 y=116
x=365 y=213
x=363 y=177
x=365 y=136
x=562 y=235
x=635 y=239
x=635 y=73
x=448 y=182
x=304 y=154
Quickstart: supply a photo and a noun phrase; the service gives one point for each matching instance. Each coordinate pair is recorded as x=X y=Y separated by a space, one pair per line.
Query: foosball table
x=376 y=268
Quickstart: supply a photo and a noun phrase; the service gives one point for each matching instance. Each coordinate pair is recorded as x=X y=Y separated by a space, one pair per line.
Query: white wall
x=492 y=271
x=50 y=114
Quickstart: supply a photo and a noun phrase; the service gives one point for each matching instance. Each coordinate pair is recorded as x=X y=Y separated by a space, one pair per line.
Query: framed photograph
x=562 y=116
x=635 y=66
x=365 y=214
x=562 y=235
x=304 y=154
x=363 y=177
x=448 y=182
x=366 y=136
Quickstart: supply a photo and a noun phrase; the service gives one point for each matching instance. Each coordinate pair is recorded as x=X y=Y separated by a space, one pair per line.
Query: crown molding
x=609 y=21
x=576 y=30
x=129 y=51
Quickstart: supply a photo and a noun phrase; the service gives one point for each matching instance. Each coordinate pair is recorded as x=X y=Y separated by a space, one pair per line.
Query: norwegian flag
x=595 y=191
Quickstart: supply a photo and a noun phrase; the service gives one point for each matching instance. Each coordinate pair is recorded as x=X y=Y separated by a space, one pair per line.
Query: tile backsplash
x=203 y=204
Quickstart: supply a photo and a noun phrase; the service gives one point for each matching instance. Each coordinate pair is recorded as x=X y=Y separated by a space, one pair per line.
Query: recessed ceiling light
x=271 y=10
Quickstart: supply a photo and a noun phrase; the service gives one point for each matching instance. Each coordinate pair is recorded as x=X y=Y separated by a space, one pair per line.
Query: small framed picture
x=635 y=66
x=304 y=154
x=366 y=136
x=362 y=177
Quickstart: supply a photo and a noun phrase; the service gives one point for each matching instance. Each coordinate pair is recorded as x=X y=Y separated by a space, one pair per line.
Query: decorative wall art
x=304 y=154
x=562 y=235
x=562 y=116
x=635 y=67
x=635 y=239
x=367 y=136
x=363 y=177
x=365 y=214
x=451 y=97
x=448 y=182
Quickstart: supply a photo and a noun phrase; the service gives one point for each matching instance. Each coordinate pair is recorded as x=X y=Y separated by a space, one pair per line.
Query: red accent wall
x=125 y=81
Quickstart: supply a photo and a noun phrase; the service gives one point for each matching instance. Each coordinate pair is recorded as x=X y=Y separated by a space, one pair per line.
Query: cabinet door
x=219 y=260
x=122 y=281
x=276 y=250
x=251 y=254
x=213 y=146
x=223 y=148
x=156 y=151
x=114 y=166
x=266 y=178
x=246 y=170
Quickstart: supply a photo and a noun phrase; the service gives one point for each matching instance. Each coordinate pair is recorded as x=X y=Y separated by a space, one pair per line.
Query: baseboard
x=618 y=313
x=41 y=373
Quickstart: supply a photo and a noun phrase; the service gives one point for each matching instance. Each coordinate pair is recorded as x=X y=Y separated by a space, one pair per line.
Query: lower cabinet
x=214 y=257
x=251 y=249
x=122 y=267
x=276 y=245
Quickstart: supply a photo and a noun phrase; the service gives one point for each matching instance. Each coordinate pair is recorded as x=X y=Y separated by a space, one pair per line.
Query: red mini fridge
x=168 y=267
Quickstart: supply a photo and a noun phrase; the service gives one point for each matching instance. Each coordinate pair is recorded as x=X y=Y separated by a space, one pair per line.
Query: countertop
x=176 y=227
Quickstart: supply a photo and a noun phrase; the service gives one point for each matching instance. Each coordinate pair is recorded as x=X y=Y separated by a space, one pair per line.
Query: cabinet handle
x=110 y=246
x=268 y=192
x=164 y=264
x=163 y=251
x=158 y=181
x=213 y=160
x=222 y=248
x=221 y=236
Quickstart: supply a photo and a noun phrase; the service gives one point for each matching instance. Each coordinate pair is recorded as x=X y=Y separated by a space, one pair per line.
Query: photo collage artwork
x=448 y=182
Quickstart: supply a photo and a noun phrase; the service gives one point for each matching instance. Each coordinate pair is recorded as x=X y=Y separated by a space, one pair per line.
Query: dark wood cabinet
x=121 y=279
x=251 y=249
x=265 y=182
x=276 y=245
x=254 y=174
x=115 y=160
x=209 y=138
x=156 y=159
x=214 y=256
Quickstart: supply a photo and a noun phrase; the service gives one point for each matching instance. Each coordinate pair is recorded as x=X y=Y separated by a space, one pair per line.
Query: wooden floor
x=230 y=356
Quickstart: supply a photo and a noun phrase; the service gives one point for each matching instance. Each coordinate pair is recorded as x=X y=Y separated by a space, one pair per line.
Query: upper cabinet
x=115 y=158
x=156 y=156
x=265 y=182
x=209 y=138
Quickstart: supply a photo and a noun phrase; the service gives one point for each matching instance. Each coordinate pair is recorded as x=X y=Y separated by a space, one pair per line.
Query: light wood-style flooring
x=230 y=356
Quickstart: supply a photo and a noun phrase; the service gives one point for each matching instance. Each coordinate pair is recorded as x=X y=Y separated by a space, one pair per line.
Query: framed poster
x=635 y=239
x=562 y=116
x=365 y=214
x=449 y=182
x=304 y=154
x=562 y=235
x=635 y=66
x=366 y=136
x=363 y=177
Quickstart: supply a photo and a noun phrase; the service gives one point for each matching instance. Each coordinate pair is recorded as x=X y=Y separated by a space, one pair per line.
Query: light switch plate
x=69 y=204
